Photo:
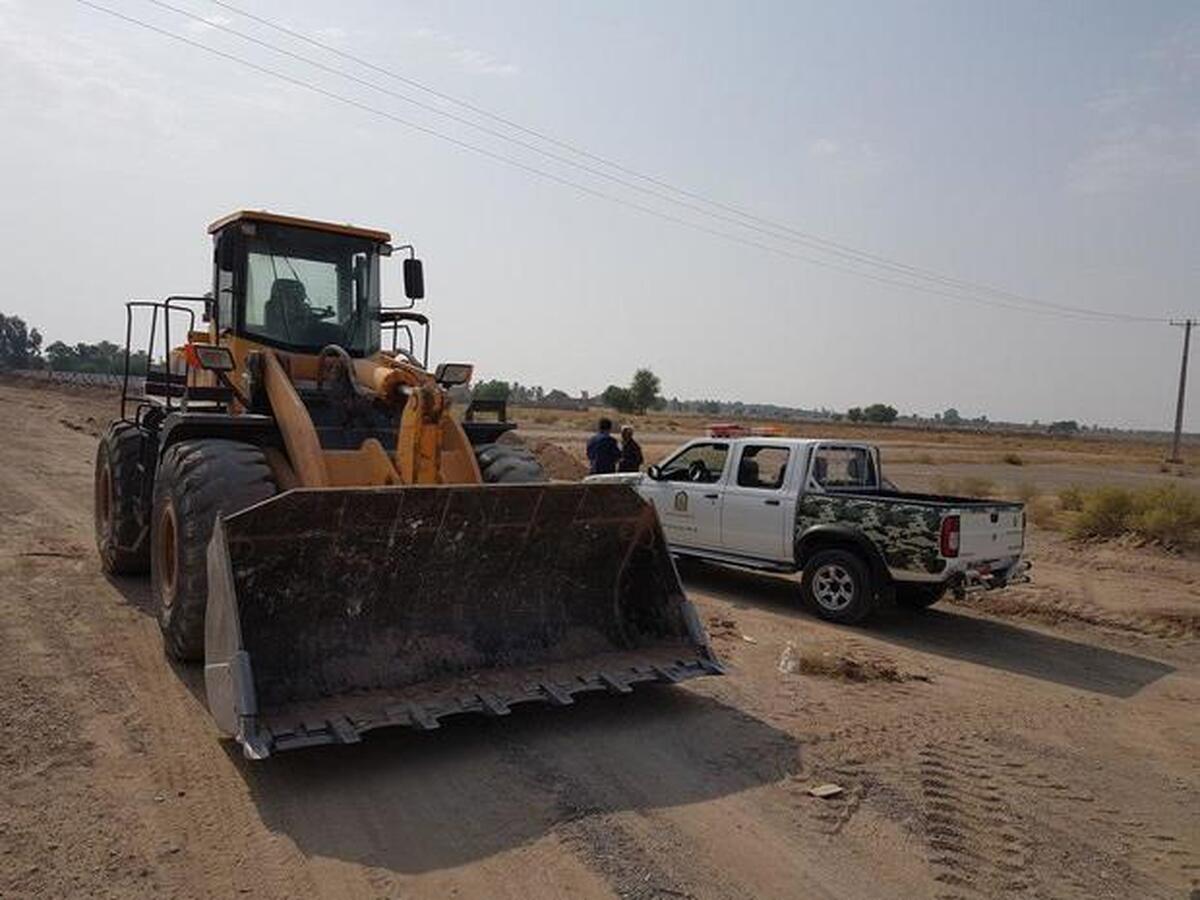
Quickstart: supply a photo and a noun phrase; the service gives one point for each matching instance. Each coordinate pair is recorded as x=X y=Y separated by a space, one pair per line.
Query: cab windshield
x=306 y=289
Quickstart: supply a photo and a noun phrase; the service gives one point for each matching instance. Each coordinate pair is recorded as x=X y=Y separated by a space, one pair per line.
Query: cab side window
x=844 y=468
x=762 y=467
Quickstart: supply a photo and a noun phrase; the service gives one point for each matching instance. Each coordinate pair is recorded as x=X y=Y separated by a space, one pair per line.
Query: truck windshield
x=306 y=290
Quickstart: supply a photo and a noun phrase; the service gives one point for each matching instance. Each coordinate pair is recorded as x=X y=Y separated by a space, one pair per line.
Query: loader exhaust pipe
x=335 y=611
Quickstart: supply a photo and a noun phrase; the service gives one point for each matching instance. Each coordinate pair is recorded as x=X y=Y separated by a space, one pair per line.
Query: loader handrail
x=168 y=305
x=394 y=318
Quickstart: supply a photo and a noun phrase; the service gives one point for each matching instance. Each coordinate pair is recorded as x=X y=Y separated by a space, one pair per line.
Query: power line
x=960 y=297
x=753 y=221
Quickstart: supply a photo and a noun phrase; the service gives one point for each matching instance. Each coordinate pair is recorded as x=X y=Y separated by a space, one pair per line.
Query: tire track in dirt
x=976 y=843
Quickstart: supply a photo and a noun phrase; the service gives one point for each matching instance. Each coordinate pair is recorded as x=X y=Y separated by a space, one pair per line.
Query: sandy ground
x=1043 y=744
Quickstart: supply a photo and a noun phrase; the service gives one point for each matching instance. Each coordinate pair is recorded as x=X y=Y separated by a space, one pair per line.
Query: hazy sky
x=1052 y=149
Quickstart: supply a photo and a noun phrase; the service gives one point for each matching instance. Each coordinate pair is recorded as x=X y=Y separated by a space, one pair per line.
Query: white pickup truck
x=822 y=507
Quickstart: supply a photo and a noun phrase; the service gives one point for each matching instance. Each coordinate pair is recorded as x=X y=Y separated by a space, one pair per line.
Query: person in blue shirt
x=603 y=453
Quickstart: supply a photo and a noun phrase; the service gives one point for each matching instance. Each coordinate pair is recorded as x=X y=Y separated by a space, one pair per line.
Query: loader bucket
x=335 y=611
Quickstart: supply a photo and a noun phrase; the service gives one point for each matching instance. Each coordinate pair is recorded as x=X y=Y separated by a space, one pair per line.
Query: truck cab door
x=757 y=508
x=687 y=494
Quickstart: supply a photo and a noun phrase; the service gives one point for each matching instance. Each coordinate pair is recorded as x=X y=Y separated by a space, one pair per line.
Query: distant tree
x=1065 y=426
x=619 y=398
x=492 y=390
x=643 y=390
x=20 y=347
x=710 y=407
x=854 y=414
x=879 y=412
x=951 y=417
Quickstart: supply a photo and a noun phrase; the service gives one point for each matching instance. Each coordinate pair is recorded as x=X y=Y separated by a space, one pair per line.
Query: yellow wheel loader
x=341 y=552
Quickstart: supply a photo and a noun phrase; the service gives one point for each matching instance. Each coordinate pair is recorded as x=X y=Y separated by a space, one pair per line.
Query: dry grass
x=1025 y=491
x=1043 y=512
x=840 y=664
x=903 y=442
x=967 y=486
x=1012 y=459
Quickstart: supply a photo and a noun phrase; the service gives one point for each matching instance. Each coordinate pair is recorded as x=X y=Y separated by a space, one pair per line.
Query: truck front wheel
x=837 y=584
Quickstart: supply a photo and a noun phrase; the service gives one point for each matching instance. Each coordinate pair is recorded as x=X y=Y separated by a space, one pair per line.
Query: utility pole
x=1186 y=325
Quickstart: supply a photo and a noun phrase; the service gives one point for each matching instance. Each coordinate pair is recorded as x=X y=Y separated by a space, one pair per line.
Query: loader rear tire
x=121 y=507
x=508 y=464
x=197 y=481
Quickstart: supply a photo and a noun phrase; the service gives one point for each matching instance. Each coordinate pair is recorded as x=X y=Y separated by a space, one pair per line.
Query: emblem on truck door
x=681 y=501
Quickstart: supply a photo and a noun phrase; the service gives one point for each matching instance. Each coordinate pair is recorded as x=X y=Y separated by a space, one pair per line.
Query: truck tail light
x=949 y=536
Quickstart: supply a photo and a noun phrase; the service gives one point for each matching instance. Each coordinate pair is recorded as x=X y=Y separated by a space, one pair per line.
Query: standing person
x=631 y=452
x=602 y=450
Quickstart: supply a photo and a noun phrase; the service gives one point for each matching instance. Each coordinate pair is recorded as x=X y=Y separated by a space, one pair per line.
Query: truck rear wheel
x=508 y=464
x=197 y=481
x=120 y=511
x=919 y=596
x=837 y=584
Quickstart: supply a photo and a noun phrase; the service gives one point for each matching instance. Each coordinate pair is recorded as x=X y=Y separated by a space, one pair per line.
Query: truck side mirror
x=654 y=472
x=414 y=279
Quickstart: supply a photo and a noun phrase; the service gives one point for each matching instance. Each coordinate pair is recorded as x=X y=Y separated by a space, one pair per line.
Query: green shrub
x=1169 y=515
x=1012 y=459
x=1071 y=498
x=1105 y=512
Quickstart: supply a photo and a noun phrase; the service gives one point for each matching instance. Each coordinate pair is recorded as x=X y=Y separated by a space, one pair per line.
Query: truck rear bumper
x=972 y=581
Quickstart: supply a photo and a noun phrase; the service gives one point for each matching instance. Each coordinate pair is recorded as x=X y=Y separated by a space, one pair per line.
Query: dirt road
x=1047 y=747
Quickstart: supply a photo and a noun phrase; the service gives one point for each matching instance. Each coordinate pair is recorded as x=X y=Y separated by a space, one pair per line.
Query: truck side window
x=701 y=463
x=844 y=467
x=762 y=467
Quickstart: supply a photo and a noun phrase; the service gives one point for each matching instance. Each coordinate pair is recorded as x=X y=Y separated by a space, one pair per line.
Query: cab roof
x=261 y=215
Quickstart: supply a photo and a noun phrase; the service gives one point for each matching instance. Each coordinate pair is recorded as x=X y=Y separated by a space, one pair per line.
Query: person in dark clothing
x=602 y=450
x=631 y=452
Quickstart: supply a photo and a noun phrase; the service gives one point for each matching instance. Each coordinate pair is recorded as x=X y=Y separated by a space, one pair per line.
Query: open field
x=916 y=458
x=1041 y=743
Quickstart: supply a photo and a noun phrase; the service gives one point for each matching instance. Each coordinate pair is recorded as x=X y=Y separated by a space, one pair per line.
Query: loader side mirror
x=414 y=279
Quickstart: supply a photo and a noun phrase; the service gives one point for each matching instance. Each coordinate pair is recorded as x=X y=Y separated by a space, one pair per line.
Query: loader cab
x=297 y=284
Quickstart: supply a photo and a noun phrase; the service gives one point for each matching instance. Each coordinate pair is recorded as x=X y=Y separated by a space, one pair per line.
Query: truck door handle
x=711 y=496
x=771 y=502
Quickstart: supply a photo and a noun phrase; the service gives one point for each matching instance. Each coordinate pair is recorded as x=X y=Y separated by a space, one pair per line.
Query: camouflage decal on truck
x=907 y=534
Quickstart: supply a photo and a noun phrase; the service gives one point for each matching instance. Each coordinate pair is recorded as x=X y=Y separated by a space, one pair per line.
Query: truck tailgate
x=991 y=532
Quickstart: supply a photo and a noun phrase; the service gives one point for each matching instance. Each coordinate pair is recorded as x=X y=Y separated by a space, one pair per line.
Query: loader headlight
x=206 y=356
x=449 y=374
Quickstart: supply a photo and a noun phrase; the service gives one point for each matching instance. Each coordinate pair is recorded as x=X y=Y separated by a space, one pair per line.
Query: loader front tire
x=197 y=481
x=508 y=464
x=120 y=501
